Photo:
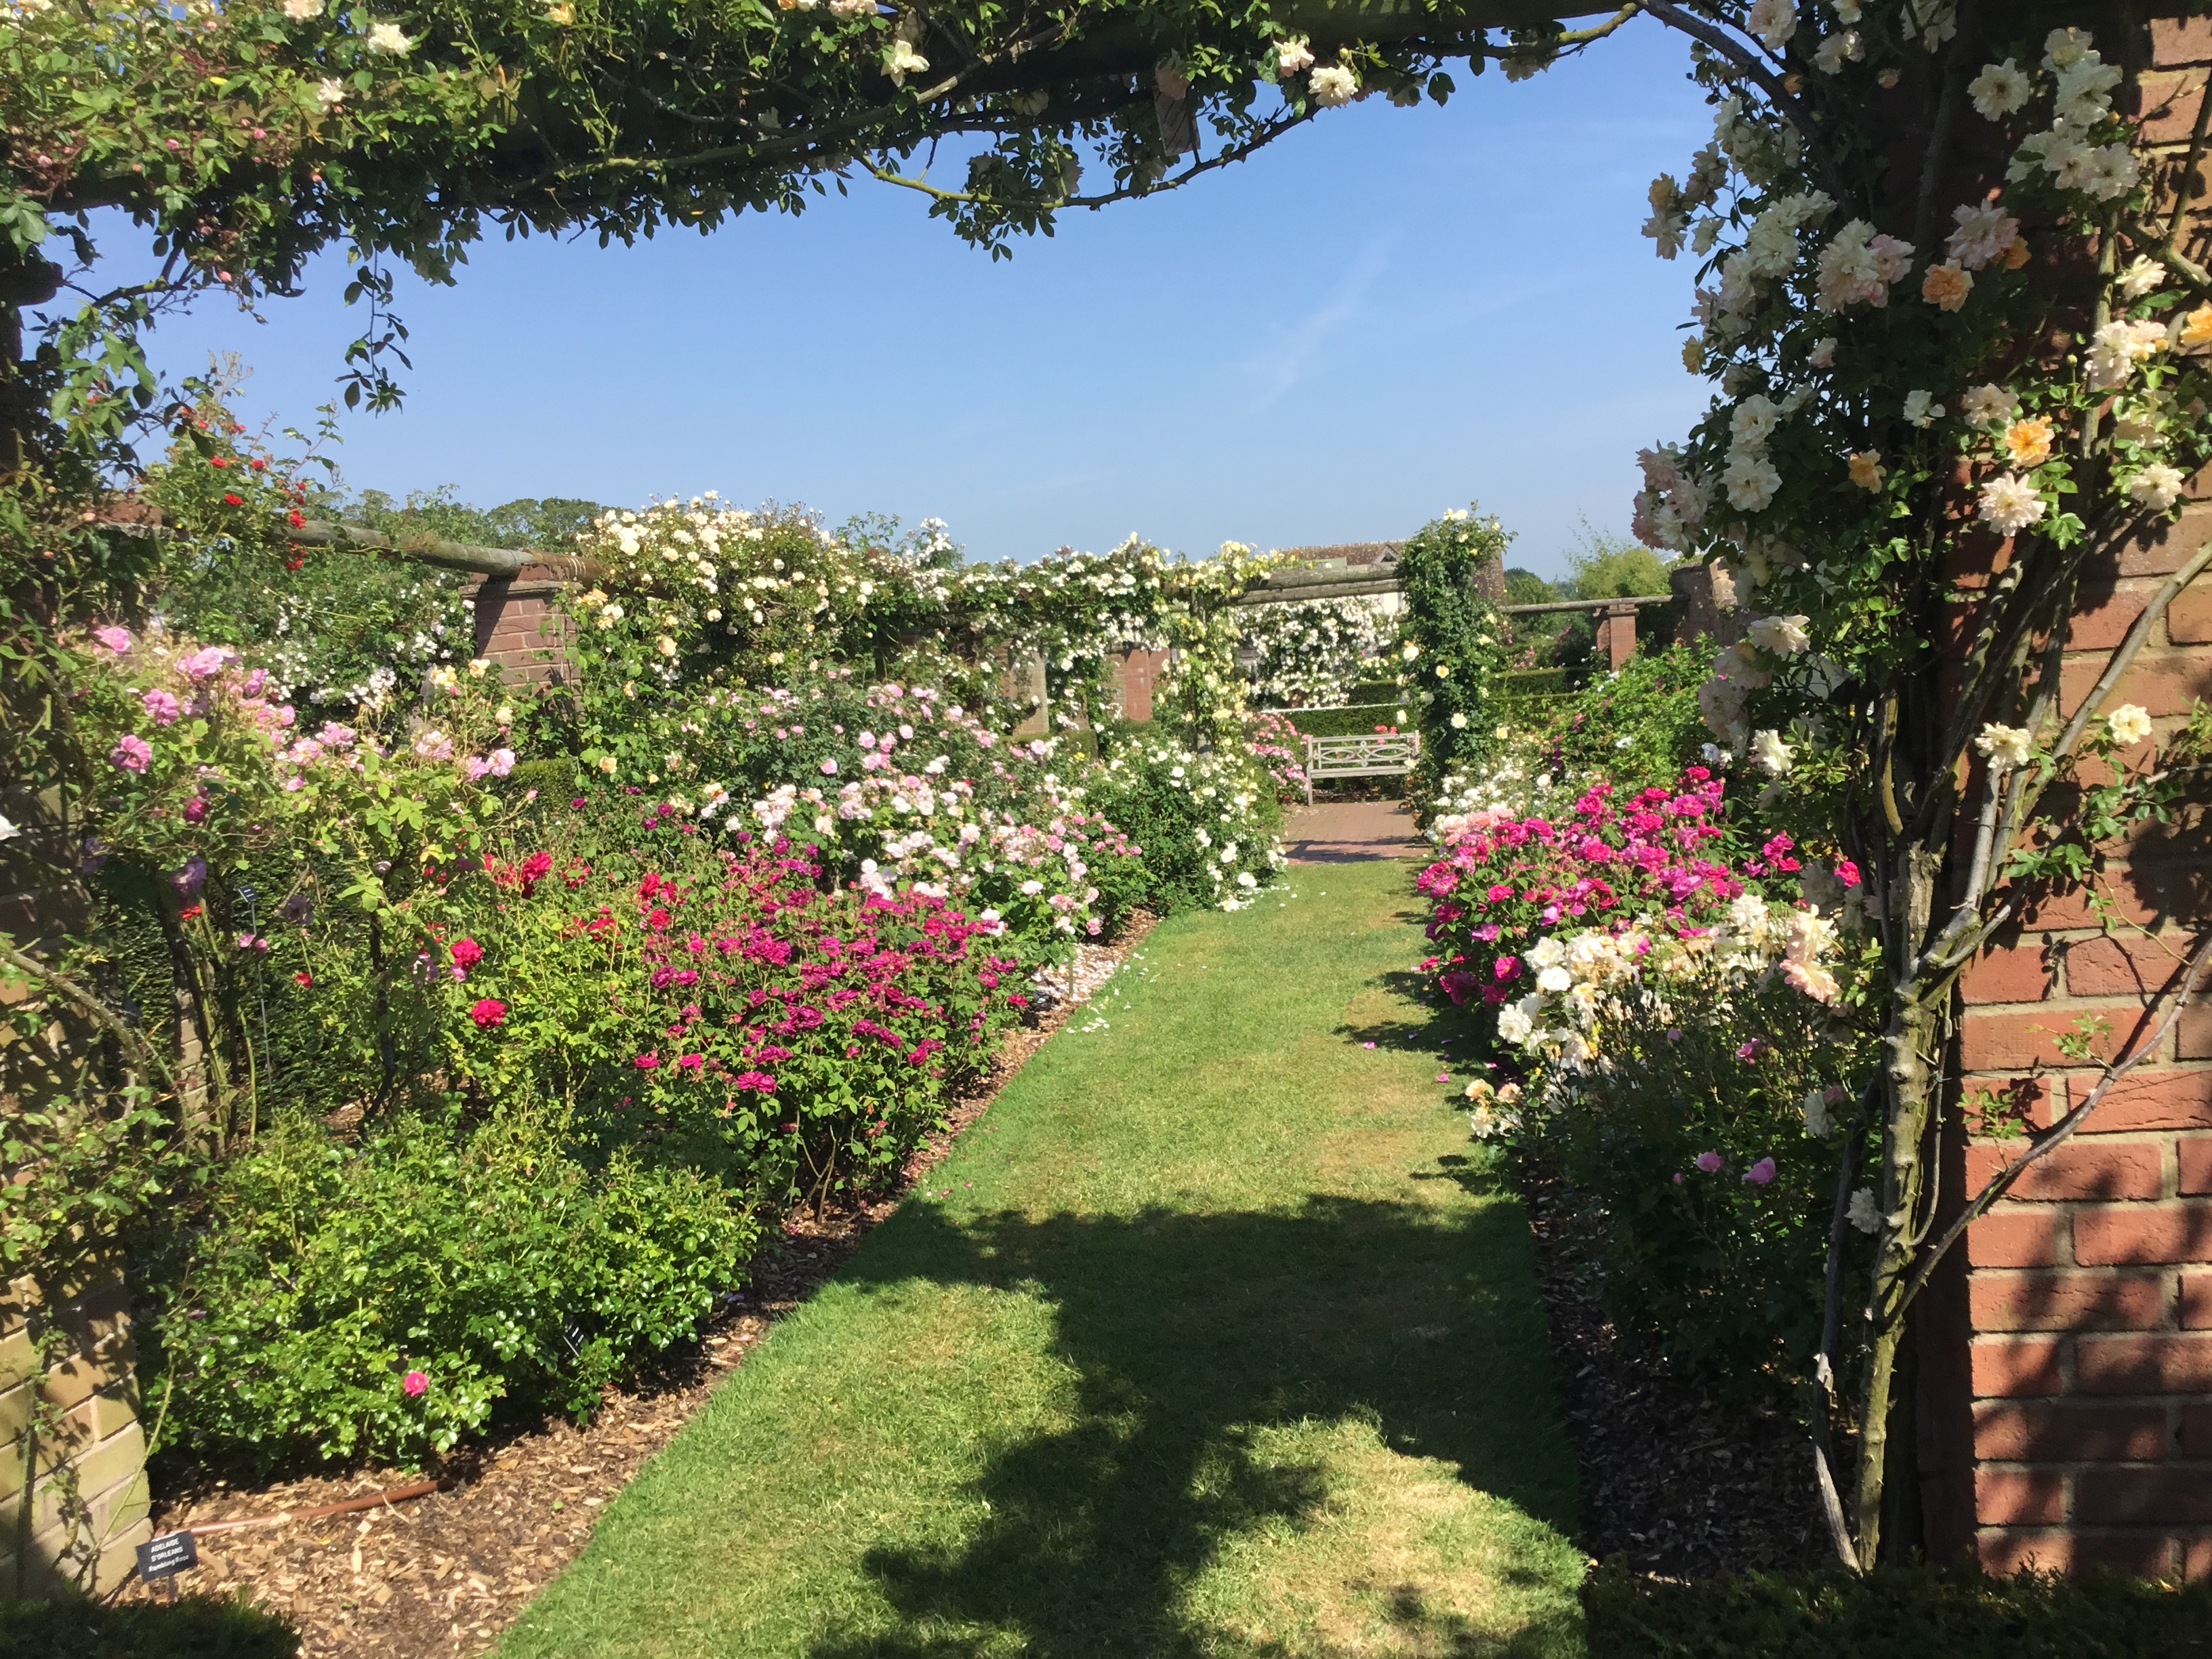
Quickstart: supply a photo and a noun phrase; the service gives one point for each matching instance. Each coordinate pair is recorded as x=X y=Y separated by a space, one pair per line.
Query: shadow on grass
x=193 y=1627
x=1191 y=1336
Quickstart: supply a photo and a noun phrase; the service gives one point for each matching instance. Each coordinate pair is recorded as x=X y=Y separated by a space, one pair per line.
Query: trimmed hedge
x=197 y=1627
x=1901 y=1613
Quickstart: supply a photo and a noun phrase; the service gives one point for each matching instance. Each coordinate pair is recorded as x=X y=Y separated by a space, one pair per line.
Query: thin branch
x=936 y=192
x=1769 y=82
x=2058 y=1134
x=2124 y=655
x=2185 y=190
x=85 y=1002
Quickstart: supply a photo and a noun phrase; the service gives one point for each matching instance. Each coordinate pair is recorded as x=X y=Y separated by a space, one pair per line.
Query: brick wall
x=2085 y=1301
x=73 y=1498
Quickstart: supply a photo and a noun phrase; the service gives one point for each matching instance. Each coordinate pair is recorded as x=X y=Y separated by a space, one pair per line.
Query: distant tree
x=549 y=524
x=1608 y=567
x=1527 y=587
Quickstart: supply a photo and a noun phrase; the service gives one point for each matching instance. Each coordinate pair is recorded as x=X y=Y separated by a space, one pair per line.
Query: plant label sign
x=168 y=1555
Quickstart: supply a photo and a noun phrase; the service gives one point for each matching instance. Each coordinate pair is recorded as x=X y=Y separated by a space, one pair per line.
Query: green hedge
x=1904 y=1613
x=1352 y=720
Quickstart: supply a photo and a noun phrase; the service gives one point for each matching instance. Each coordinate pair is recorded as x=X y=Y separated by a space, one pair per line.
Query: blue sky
x=1386 y=314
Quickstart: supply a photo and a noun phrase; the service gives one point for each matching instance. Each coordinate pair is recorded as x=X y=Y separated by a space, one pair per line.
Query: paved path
x=1344 y=832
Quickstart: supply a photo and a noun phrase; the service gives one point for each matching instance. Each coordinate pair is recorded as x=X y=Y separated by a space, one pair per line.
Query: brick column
x=1135 y=674
x=2085 y=1301
x=521 y=626
x=1616 y=634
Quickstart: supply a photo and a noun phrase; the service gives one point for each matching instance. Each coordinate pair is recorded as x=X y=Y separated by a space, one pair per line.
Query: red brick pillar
x=1136 y=672
x=522 y=626
x=1616 y=634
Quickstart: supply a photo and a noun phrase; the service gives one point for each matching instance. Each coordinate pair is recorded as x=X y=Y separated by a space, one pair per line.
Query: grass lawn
x=1210 y=1339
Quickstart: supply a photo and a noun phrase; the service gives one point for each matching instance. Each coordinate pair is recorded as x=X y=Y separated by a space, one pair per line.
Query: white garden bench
x=1382 y=755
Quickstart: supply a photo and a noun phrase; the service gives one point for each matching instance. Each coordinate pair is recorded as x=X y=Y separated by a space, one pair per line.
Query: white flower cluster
x=1313 y=652
x=2068 y=150
x=1670 y=508
x=1585 y=978
x=1236 y=850
x=1748 y=666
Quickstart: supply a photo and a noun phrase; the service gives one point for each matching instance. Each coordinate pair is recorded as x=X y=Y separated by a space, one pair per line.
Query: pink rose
x=414 y=1382
x=1710 y=1163
x=1761 y=1173
x=131 y=753
x=117 y=640
x=206 y=662
x=162 y=706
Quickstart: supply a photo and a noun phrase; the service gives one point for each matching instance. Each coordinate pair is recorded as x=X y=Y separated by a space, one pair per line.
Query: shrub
x=380 y=1299
x=891 y=783
x=713 y=1006
x=1895 y=1613
x=1683 y=1023
x=1210 y=825
x=1280 y=750
x=1638 y=725
x=1709 y=1142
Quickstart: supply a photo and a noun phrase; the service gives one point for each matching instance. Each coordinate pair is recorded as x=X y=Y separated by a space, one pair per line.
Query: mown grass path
x=1208 y=1339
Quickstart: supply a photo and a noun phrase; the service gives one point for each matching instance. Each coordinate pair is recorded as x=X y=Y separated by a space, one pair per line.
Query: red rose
x=230 y=500
x=467 y=953
x=489 y=1012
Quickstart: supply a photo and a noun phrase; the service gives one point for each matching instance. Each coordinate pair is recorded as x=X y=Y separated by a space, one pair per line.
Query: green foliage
x=1609 y=566
x=1722 y=1272
x=1637 y=726
x=197 y=1626
x=1895 y=1613
x=1451 y=652
x=482 y=1255
x=1527 y=587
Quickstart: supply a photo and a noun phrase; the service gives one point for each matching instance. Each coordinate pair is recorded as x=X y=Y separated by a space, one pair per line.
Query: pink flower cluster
x=1503 y=882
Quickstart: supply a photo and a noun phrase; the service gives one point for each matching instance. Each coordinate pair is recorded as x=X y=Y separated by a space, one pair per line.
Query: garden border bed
x=447 y=1572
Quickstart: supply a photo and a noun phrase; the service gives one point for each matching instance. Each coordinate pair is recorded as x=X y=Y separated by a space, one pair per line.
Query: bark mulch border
x=1676 y=1482
x=445 y=1573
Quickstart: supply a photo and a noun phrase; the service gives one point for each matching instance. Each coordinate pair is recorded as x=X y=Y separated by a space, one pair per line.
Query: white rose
x=389 y=38
x=2129 y=723
x=1865 y=1213
x=1785 y=636
x=2010 y=504
x=1332 y=85
x=2005 y=746
x=1769 y=753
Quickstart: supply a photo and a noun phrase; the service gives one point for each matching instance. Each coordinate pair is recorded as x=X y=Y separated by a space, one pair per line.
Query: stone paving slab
x=1346 y=832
